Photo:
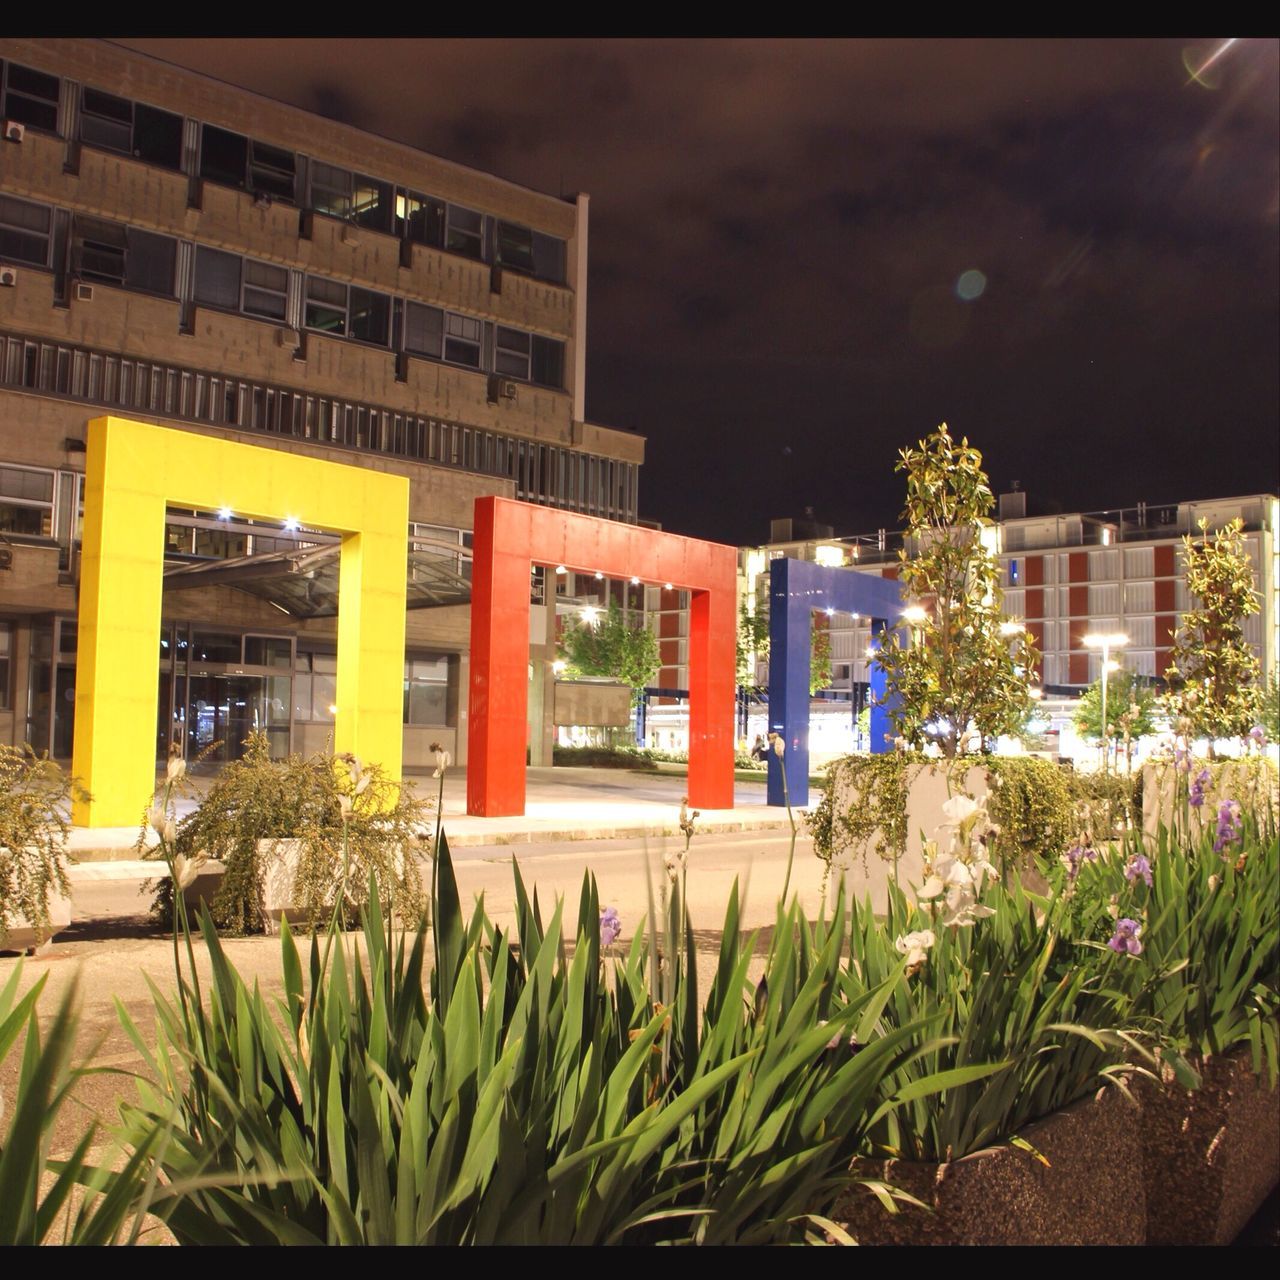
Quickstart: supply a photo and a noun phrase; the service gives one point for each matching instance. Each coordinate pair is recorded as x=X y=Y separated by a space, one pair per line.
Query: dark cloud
x=778 y=228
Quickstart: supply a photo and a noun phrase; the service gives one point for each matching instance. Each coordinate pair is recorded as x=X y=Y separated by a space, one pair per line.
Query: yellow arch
x=132 y=471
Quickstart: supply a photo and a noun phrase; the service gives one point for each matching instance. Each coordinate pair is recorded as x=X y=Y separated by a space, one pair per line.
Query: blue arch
x=796 y=589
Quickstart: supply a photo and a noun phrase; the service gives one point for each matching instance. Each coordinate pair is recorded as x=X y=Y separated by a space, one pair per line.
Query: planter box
x=279 y=861
x=22 y=934
x=927 y=792
x=1164 y=793
x=1212 y=1156
x=1092 y=1191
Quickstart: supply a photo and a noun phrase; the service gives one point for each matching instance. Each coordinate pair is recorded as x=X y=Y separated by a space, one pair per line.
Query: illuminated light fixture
x=1012 y=628
x=1035 y=694
x=668 y=587
x=561 y=569
x=599 y=575
x=333 y=709
x=1112 y=665
x=291 y=524
x=916 y=614
x=558 y=666
x=635 y=582
x=590 y=615
x=224 y=513
x=831 y=613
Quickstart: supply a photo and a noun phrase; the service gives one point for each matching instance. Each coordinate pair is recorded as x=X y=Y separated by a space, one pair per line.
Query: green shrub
x=35 y=796
x=603 y=757
x=300 y=798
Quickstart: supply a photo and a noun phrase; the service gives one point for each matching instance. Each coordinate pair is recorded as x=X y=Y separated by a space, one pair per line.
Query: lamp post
x=1106 y=641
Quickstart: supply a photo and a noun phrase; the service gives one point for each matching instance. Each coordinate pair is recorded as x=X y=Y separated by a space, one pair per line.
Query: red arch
x=510 y=537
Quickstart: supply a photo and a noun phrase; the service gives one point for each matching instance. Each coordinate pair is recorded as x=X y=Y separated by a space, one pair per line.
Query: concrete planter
x=279 y=861
x=1091 y=1192
x=1164 y=794
x=24 y=935
x=1210 y=1157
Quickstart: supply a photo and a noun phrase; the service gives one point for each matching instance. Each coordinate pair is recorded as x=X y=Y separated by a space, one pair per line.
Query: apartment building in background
x=180 y=251
x=1064 y=576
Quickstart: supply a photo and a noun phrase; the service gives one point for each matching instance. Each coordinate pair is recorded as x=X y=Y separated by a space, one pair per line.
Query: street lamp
x=1106 y=641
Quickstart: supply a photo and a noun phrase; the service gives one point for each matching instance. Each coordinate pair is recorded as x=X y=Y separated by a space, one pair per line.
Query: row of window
x=125 y=257
x=121 y=125
x=548 y=474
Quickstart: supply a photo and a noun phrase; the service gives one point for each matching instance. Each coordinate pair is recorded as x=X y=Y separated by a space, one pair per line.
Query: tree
x=1131 y=707
x=964 y=663
x=612 y=647
x=1214 y=671
x=753 y=645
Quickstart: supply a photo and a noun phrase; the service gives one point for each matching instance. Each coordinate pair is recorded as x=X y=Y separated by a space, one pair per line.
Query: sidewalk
x=560 y=805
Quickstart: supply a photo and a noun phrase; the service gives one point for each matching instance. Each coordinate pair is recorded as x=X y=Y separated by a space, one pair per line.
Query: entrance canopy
x=303 y=581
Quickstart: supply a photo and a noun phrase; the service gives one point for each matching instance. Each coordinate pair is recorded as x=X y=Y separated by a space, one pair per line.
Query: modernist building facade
x=179 y=251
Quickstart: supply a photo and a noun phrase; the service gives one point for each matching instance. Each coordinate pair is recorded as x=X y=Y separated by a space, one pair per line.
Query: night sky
x=780 y=232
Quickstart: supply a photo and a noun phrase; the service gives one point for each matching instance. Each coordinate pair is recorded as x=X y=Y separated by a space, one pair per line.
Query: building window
x=521 y=249
x=30 y=97
x=123 y=256
x=24 y=231
x=237 y=161
x=426 y=690
x=26 y=501
x=462 y=340
x=423 y=330
x=6 y=674
x=548 y=362
x=315 y=685
x=347 y=311
x=419 y=218
x=330 y=190
x=464 y=232
x=234 y=284
x=130 y=128
x=512 y=354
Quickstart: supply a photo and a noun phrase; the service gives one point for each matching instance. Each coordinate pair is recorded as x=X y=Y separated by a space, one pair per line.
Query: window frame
x=49 y=507
x=7 y=66
x=132 y=149
x=17 y=230
x=345 y=309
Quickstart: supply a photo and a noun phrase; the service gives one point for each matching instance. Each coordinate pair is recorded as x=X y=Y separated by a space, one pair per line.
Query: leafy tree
x=612 y=647
x=1126 y=696
x=1214 y=672
x=1270 y=720
x=753 y=644
x=960 y=666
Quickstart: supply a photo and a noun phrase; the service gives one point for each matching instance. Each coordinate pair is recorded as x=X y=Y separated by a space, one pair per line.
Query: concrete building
x=180 y=251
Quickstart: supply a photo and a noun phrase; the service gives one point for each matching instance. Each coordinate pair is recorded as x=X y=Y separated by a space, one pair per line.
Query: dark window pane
x=32 y=98
x=258 y=302
x=330 y=190
x=513 y=340
x=548 y=362
x=422 y=329
x=514 y=366
x=34 y=486
x=548 y=258
x=106 y=121
x=515 y=246
x=34 y=521
x=463 y=233
x=223 y=156
x=272 y=170
x=370 y=316
x=462 y=352
x=214 y=646
x=98 y=251
x=217 y=279
x=265 y=290
x=24 y=231
x=150 y=262
x=157 y=136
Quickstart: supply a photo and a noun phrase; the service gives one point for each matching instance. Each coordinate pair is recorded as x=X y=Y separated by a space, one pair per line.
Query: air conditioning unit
x=13 y=131
x=84 y=292
x=507 y=389
x=8 y=277
x=290 y=339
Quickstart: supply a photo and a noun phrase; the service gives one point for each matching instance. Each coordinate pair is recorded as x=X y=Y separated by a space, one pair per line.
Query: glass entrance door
x=224 y=708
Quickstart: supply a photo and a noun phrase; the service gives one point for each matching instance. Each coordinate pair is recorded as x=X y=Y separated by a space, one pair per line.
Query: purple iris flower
x=1138 y=866
x=1125 y=939
x=1259 y=735
x=1229 y=825
x=1076 y=856
x=610 y=926
x=1198 y=784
